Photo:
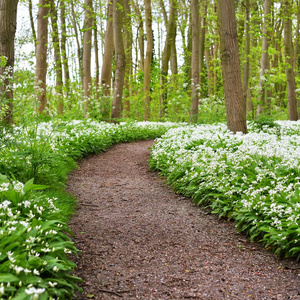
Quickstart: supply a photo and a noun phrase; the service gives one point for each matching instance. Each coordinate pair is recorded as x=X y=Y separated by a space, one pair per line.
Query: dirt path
x=139 y=240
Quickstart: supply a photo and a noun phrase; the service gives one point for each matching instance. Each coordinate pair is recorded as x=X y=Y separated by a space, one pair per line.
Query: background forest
x=145 y=60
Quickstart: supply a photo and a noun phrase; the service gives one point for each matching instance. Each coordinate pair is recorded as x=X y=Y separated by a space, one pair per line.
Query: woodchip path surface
x=140 y=240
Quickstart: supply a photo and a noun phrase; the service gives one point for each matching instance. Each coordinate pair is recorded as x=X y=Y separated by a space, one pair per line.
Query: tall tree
x=195 y=59
x=148 y=59
x=166 y=55
x=106 y=72
x=31 y=20
x=247 y=53
x=57 y=57
x=290 y=75
x=118 y=18
x=63 y=45
x=41 y=53
x=265 y=61
x=8 y=24
x=229 y=51
x=87 y=53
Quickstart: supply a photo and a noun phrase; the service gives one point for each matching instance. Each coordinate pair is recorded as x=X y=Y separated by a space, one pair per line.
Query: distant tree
x=118 y=18
x=195 y=13
x=41 y=54
x=87 y=53
x=148 y=59
x=8 y=24
x=229 y=51
x=290 y=74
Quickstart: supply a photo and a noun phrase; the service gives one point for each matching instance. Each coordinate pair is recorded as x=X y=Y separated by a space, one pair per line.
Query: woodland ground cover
x=34 y=163
x=252 y=178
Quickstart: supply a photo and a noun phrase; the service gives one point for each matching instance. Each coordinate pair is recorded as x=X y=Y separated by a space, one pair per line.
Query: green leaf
x=7 y=277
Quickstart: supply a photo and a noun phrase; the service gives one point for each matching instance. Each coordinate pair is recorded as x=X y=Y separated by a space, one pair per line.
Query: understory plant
x=253 y=178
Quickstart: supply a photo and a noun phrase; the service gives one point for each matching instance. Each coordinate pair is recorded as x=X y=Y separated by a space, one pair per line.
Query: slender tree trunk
x=96 y=49
x=265 y=62
x=77 y=38
x=32 y=21
x=8 y=24
x=41 y=54
x=118 y=17
x=195 y=60
x=107 y=61
x=57 y=57
x=229 y=51
x=141 y=37
x=202 y=38
x=247 y=53
x=128 y=54
x=87 y=52
x=166 y=56
x=148 y=60
x=63 y=46
x=290 y=75
x=296 y=47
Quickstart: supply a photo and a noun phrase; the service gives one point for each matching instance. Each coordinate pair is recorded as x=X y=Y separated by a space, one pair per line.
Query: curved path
x=140 y=240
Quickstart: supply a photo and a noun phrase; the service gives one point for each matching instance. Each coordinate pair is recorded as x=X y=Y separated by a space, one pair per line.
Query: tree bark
x=97 y=67
x=229 y=51
x=265 y=62
x=290 y=75
x=41 y=54
x=8 y=24
x=87 y=52
x=166 y=56
x=57 y=57
x=63 y=46
x=107 y=62
x=148 y=60
x=32 y=21
x=118 y=17
x=195 y=60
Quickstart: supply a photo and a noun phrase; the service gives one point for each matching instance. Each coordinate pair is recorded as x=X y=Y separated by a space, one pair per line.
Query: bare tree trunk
x=202 y=38
x=77 y=37
x=265 y=62
x=290 y=75
x=32 y=21
x=96 y=49
x=118 y=16
x=107 y=61
x=41 y=54
x=8 y=24
x=166 y=56
x=57 y=57
x=87 y=49
x=148 y=60
x=63 y=46
x=195 y=60
x=247 y=53
x=296 y=47
x=141 y=37
x=229 y=51
x=128 y=54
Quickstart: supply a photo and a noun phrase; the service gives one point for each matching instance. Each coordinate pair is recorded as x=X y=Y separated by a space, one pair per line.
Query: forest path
x=140 y=240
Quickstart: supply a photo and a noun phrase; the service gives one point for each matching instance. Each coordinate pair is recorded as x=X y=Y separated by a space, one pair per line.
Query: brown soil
x=140 y=240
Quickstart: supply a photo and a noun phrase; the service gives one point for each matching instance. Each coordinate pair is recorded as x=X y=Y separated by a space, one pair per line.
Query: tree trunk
x=247 y=53
x=63 y=46
x=97 y=67
x=118 y=16
x=57 y=57
x=202 y=38
x=128 y=53
x=87 y=52
x=8 y=24
x=229 y=51
x=195 y=60
x=107 y=62
x=32 y=21
x=166 y=56
x=290 y=75
x=148 y=60
x=265 y=62
x=41 y=54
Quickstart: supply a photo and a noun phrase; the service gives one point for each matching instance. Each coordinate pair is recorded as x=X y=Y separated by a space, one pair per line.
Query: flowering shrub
x=252 y=178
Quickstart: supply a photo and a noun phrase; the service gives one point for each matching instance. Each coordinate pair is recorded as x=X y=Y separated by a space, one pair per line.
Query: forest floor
x=140 y=240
